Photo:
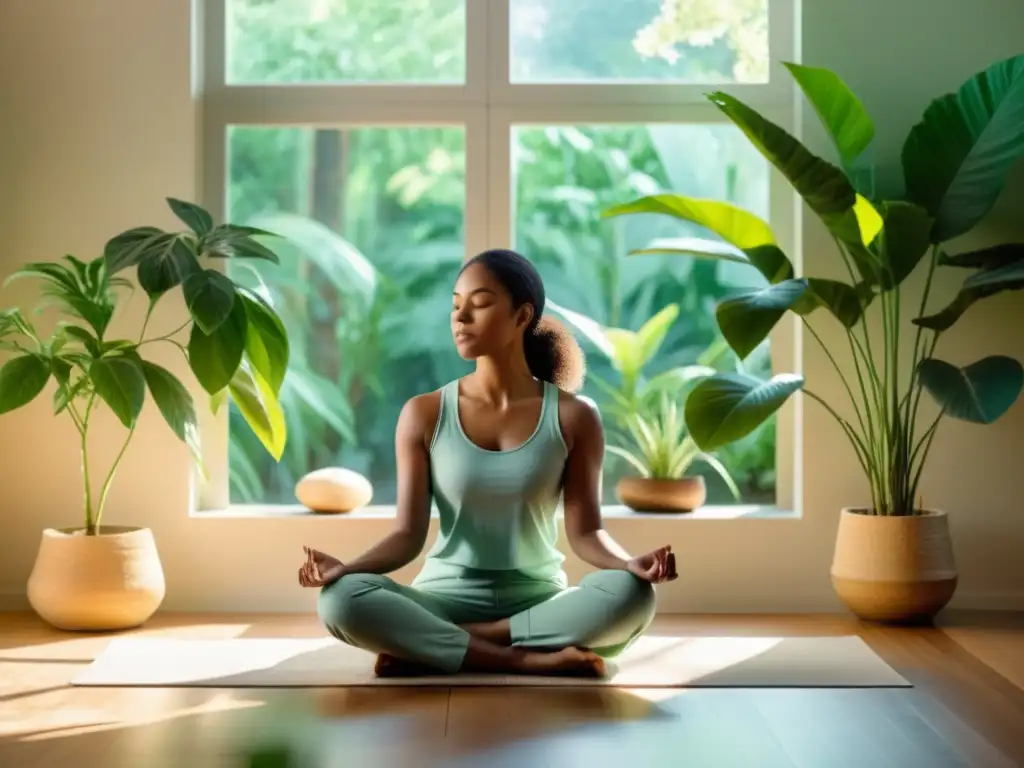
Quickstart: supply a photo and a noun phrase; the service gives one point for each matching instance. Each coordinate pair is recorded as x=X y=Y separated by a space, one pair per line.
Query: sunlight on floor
x=63 y=723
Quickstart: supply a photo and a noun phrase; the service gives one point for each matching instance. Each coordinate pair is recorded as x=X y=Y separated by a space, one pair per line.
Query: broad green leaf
x=956 y=160
x=980 y=393
x=209 y=296
x=126 y=249
x=981 y=285
x=732 y=223
x=771 y=262
x=945 y=318
x=632 y=350
x=247 y=248
x=214 y=358
x=747 y=319
x=869 y=220
x=260 y=408
x=1007 y=277
x=175 y=404
x=840 y=111
x=992 y=257
x=266 y=340
x=119 y=381
x=21 y=379
x=693 y=246
x=61 y=370
x=768 y=259
x=165 y=264
x=729 y=406
x=824 y=187
x=904 y=240
x=846 y=302
x=194 y=217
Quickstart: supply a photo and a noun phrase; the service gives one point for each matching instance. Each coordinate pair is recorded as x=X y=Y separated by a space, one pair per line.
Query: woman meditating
x=495 y=450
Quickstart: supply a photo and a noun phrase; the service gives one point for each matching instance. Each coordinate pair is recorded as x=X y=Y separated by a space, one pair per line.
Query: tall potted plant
x=892 y=560
x=104 y=577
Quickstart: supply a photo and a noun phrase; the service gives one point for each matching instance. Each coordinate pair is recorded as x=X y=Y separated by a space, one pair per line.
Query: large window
x=389 y=140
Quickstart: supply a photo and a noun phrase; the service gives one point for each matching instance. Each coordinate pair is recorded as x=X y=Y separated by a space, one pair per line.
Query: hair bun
x=562 y=355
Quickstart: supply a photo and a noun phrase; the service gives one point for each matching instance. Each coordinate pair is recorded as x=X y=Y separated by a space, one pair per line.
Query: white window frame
x=487 y=106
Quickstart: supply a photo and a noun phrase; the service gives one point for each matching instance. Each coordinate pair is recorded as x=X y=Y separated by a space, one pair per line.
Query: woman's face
x=483 y=321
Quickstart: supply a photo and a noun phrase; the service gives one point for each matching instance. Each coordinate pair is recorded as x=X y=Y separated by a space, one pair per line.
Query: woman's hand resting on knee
x=655 y=567
x=320 y=569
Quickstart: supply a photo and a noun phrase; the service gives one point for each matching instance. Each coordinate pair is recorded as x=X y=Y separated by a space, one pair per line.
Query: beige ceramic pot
x=107 y=582
x=894 y=569
x=643 y=494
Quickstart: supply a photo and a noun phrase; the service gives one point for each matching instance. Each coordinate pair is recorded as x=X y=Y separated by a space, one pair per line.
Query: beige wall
x=98 y=126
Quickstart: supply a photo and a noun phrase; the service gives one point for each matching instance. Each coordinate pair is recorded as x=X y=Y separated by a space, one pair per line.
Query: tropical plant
x=660 y=448
x=236 y=344
x=629 y=353
x=955 y=163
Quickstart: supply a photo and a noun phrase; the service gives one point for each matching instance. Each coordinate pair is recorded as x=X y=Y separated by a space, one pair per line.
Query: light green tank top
x=497 y=508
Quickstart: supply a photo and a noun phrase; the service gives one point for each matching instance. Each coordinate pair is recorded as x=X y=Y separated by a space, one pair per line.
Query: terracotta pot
x=894 y=569
x=111 y=581
x=643 y=494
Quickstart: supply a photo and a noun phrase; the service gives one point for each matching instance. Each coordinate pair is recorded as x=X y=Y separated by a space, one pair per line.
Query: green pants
x=605 y=613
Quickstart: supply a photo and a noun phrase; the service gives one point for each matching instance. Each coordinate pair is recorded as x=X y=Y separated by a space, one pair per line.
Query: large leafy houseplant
x=233 y=341
x=955 y=162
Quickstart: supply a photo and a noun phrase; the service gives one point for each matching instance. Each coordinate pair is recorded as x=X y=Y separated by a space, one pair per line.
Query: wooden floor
x=966 y=709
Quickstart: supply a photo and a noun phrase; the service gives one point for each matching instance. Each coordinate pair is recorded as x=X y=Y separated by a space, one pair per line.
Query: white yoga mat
x=652 y=662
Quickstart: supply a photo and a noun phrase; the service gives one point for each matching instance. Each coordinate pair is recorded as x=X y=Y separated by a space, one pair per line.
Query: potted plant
x=662 y=452
x=109 y=577
x=642 y=414
x=893 y=559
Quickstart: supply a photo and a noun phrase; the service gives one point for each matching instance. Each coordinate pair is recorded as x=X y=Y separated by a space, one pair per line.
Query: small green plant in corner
x=233 y=341
x=658 y=446
x=955 y=164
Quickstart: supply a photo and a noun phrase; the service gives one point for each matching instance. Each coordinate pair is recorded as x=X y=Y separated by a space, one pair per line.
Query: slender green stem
x=858 y=445
x=839 y=372
x=110 y=477
x=166 y=336
x=912 y=411
x=90 y=523
x=877 y=449
x=145 y=323
x=926 y=439
x=917 y=395
x=73 y=413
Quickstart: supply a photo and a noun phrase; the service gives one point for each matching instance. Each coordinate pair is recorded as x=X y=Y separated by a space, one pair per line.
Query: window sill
x=608 y=512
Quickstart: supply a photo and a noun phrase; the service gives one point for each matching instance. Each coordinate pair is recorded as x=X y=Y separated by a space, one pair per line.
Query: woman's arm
x=416 y=424
x=581 y=488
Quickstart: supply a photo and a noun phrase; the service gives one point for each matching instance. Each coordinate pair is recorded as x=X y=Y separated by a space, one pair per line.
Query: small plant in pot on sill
x=104 y=577
x=893 y=560
x=662 y=453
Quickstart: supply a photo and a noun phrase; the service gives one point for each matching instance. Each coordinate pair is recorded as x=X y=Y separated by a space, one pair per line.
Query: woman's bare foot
x=574 y=662
x=391 y=666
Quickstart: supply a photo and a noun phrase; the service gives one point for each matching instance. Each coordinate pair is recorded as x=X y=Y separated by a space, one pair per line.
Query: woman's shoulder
x=578 y=417
x=420 y=413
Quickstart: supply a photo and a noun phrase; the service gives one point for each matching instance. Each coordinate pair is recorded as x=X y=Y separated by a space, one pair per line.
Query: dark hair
x=552 y=353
